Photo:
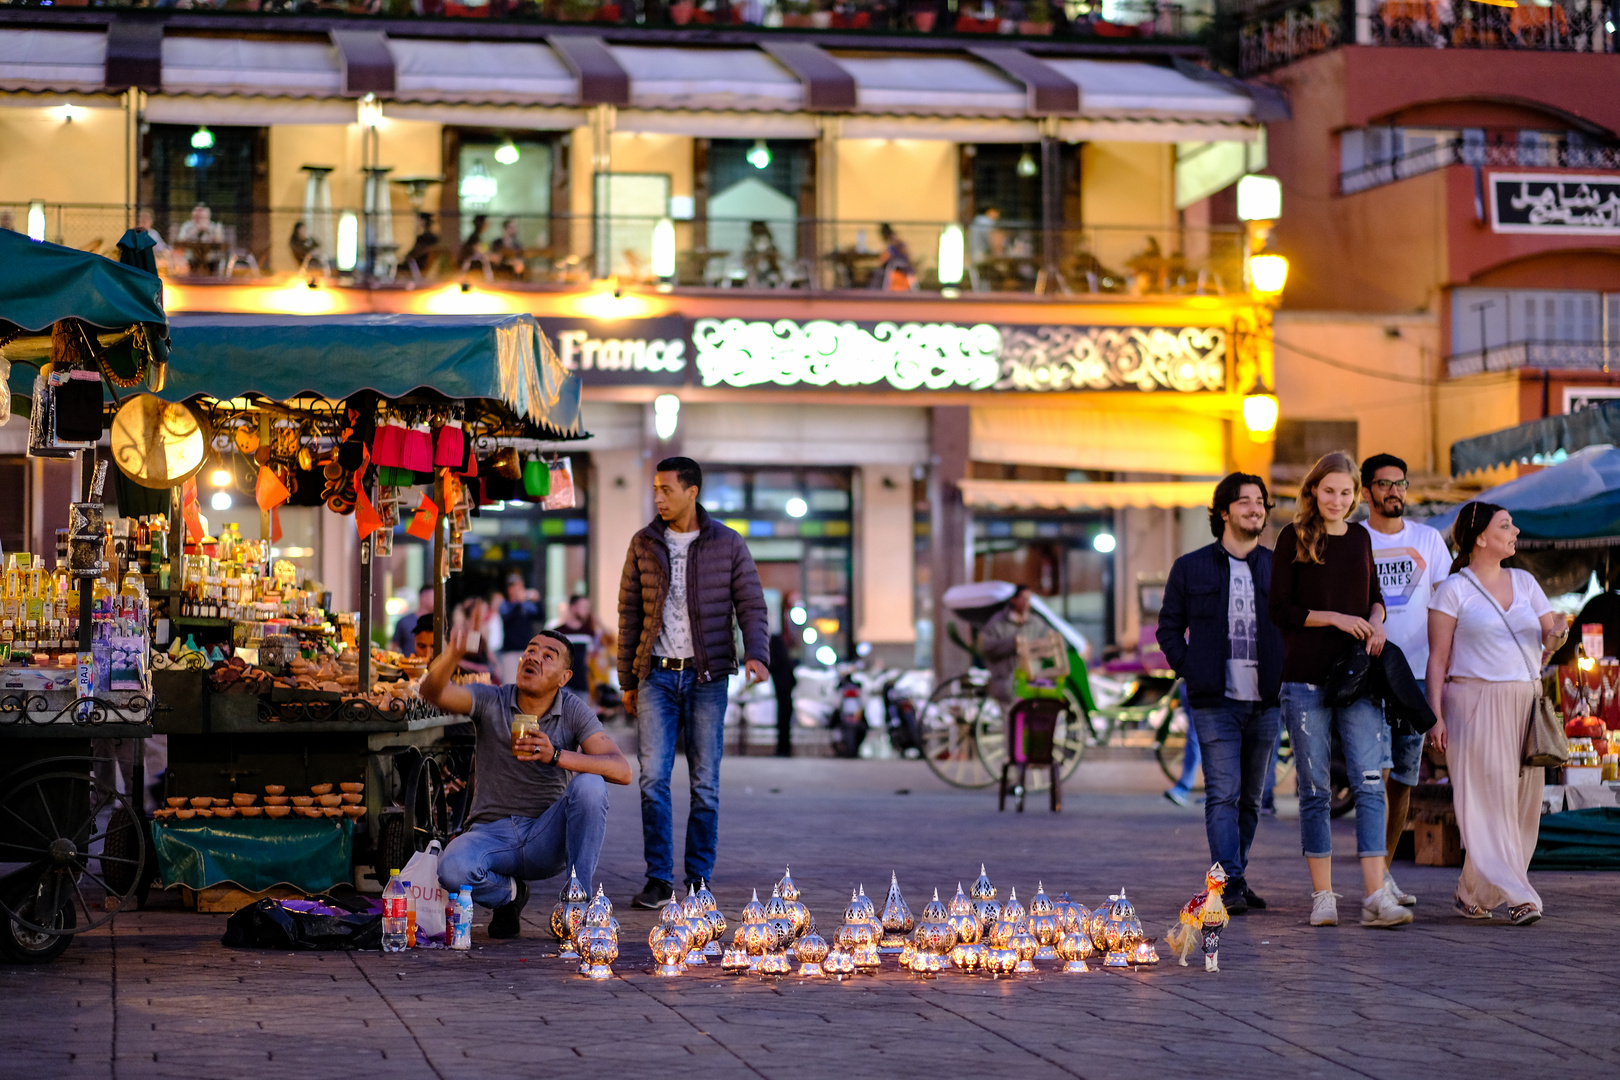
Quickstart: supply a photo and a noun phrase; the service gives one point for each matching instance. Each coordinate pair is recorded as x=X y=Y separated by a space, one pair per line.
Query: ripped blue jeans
x=1364 y=736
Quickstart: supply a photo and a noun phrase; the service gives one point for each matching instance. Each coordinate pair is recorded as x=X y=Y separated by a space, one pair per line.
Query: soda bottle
x=461 y=933
x=394 y=926
x=410 y=917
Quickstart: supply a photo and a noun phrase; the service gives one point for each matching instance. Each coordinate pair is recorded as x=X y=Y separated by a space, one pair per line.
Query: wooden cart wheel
x=63 y=873
x=956 y=717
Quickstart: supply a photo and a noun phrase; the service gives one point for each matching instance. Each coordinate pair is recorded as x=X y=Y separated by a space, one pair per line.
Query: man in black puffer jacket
x=685 y=578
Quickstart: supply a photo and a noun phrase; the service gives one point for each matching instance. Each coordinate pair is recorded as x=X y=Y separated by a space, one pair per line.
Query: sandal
x=1524 y=914
x=1470 y=911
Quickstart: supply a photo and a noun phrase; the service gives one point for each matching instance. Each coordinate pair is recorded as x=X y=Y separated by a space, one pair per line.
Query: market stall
x=281 y=711
x=74 y=657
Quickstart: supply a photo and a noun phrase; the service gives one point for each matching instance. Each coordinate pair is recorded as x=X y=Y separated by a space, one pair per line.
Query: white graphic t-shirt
x=1243 y=662
x=1410 y=564
x=675 y=638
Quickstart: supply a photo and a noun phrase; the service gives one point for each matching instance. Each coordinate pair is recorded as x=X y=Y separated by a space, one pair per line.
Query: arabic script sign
x=1555 y=203
x=948 y=356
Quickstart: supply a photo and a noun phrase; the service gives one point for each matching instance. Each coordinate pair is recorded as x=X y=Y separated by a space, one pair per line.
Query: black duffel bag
x=270 y=924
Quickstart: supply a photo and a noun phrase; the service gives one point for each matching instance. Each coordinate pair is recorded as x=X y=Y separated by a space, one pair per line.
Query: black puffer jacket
x=720 y=578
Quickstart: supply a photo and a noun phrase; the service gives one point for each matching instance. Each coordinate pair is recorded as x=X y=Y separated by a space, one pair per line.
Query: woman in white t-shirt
x=1489 y=630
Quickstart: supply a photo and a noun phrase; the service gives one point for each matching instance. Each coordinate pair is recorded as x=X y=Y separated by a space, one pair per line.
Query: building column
x=885 y=615
x=951 y=550
x=621 y=503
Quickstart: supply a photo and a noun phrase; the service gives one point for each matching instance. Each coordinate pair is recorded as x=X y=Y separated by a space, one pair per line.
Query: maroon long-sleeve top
x=1344 y=581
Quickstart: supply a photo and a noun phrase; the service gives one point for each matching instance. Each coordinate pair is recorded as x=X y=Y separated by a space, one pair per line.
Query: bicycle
x=964 y=734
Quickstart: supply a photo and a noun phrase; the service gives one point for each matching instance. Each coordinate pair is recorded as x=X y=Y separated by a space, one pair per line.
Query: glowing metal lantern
x=756 y=939
x=698 y=927
x=1073 y=949
x=897 y=921
x=779 y=932
x=717 y=921
x=604 y=949
x=668 y=944
x=1000 y=961
x=569 y=915
x=1043 y=924
x=735 y=959
x=1122 y=931
x=811 y=951
x=1145 y=953
x=1260 y=412
x=838 y=963
x=1012 y=911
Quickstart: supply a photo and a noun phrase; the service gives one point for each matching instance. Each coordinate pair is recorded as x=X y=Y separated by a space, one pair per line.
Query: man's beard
x=1244 y=533
x=1398 y=511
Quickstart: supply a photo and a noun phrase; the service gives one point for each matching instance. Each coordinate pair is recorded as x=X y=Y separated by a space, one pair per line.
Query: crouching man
x=540 y=803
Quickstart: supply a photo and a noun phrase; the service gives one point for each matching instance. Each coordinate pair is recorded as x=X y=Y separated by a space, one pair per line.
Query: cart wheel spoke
x=29 y=824
x=116 y=859
x=45 y=804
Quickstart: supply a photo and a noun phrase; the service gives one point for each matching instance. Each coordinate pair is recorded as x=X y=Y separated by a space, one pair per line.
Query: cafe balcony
x=1271 y=35
x=559 y=252
x=908 y=21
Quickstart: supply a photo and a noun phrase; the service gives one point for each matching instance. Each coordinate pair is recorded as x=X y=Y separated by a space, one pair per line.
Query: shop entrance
x=798 y=525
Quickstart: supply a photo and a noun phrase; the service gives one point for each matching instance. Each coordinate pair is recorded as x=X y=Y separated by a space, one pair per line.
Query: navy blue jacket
x=1193 y=624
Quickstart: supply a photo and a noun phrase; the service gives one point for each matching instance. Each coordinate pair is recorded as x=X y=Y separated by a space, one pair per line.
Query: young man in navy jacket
x=1215 y=632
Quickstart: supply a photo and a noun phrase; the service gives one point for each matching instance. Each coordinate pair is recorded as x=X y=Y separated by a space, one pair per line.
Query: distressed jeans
x=488 y=856
x=1365 y=738
x=1237 y=738
x=671 y=703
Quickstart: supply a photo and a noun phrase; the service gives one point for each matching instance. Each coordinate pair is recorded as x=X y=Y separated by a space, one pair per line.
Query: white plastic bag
x=428 y=896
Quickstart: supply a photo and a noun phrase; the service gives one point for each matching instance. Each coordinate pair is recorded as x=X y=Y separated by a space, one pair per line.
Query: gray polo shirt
x=507 y=787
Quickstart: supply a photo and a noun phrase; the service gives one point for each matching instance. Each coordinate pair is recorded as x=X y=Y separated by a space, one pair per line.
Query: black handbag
x=1346 y=681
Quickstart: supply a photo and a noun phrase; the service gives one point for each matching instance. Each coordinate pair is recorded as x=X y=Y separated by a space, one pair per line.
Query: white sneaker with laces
x=1324 y=908
x=1380 y=909
x=1403 y=898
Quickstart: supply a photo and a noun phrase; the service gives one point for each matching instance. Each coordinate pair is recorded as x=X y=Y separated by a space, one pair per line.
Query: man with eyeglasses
x=1411 y=560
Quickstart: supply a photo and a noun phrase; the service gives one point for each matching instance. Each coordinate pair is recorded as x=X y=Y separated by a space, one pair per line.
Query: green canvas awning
x=42 y=284
x=1540 y=442
x=501 y=357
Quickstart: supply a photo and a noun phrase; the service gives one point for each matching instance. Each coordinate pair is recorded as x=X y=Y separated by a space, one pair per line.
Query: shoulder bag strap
x=1489 y=599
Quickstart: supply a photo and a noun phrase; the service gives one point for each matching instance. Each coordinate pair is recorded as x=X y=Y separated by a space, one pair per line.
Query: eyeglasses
x=1391 y=485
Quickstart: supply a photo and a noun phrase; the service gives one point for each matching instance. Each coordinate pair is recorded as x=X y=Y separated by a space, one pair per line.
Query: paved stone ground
x=156 y=995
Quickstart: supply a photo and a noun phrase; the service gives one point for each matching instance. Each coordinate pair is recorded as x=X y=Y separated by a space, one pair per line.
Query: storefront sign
x=644 y=352
x=1555 y=203
x=947 y=356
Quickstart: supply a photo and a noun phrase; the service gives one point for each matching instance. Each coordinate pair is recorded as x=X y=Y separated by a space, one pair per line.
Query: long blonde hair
x=1310 y=529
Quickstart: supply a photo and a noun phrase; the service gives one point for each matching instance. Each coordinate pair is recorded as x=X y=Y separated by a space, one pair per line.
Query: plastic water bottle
x=395 y=923
x=460 y=925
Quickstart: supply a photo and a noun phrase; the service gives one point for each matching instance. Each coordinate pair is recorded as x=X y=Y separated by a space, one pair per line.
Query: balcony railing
x=1120 y=19
x=1272 y=35
x=1539 y=355
x=1462 y=151
x=809 y=255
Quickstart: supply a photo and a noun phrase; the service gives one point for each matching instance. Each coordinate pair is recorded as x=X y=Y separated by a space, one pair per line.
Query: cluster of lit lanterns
x=975 y=932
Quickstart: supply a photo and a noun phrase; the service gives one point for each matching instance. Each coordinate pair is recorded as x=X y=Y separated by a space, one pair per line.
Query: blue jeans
x=569 y=834
x=1365 y=738
x=1237 y=738
x=1405 y=751
x=670 y=702
x=1190 y=757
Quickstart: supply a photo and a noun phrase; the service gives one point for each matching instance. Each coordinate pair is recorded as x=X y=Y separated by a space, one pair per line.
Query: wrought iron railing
x=1118 y=19
x=1461 y=151
x=1540 y=355
x=1273 y=35
x=538 y=250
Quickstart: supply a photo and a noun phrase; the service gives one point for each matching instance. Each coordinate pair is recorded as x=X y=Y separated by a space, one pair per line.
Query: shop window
x=506 y=179
x=1492 y=318
x=748 y=188
x=225 y=169
x=628 y=207
x=774 y=490
x=725 y=492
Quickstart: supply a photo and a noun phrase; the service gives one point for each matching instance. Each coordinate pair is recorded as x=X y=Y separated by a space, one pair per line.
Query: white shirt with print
x=1410 y=564
x=675 y=638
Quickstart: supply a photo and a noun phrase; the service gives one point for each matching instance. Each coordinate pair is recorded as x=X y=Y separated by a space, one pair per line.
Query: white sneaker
x=1324 y=908
x=1381 y=909
x=1405 y=899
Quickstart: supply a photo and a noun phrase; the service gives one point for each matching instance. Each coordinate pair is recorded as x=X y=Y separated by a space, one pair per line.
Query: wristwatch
x=556 y=754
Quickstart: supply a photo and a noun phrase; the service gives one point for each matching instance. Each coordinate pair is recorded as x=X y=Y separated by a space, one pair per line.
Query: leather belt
x=672 y=663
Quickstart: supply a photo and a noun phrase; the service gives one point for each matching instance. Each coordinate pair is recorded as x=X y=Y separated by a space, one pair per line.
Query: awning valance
x=40 y=60
x=41 y=284
x=1056 y=495
x=503 y=357
x=1540 y=442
